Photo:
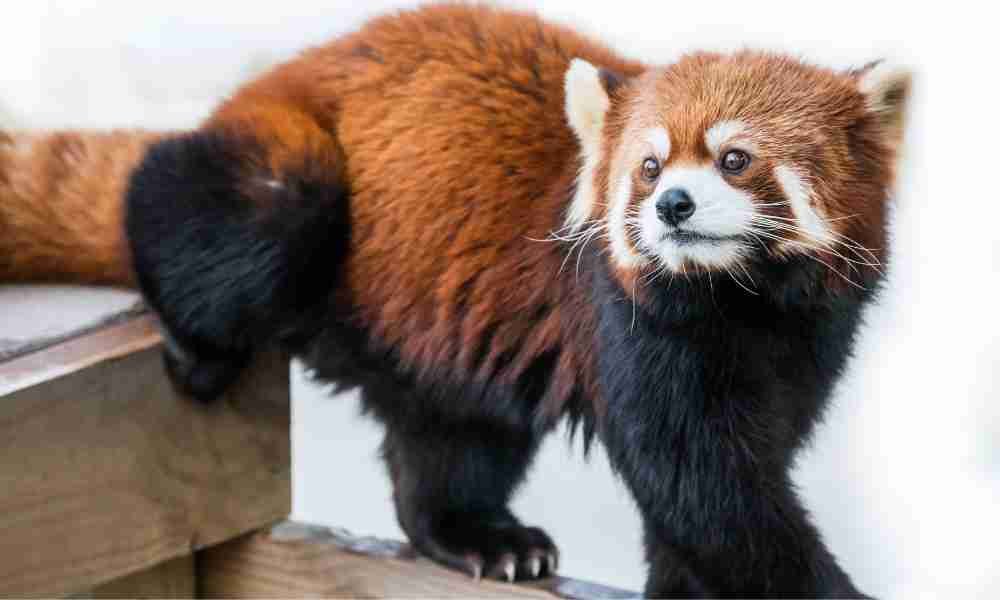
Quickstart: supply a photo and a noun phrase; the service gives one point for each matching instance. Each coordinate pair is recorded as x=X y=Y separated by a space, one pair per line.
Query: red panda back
x=456 y=174
x=459 y=159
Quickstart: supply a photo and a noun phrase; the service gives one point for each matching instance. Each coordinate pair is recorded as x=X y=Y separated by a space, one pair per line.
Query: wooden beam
x=105 y=470
x=78 y=353
x=172 y=579
x=297 y=560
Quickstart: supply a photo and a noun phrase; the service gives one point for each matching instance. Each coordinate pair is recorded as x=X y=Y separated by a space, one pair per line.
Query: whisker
x=737 y=281
x=581 y=241
x=828 y=246
x=747 y=273
x=579 y=254
x=815 y=258
x=631 y=327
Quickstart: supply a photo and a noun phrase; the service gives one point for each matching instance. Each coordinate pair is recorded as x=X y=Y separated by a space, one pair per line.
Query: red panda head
x=718 y=161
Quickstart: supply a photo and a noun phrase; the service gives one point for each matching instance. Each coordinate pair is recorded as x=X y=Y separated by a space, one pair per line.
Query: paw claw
x=476 y=562
x=535 y=567
x=503 y=552
x=510 y=570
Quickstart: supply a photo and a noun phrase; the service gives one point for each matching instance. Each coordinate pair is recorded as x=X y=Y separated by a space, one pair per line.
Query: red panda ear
x=886 y=89
x=588 y=98
x=611 y=80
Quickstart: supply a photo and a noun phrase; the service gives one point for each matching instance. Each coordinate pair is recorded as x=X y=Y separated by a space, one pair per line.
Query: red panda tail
x=61 y=201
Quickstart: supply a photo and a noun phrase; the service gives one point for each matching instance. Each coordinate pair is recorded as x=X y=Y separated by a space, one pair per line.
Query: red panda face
x=719 y=160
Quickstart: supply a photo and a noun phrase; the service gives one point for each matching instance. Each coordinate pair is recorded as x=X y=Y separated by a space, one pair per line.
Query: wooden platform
x=306 y=561
x=113 y=485
x=105 y=471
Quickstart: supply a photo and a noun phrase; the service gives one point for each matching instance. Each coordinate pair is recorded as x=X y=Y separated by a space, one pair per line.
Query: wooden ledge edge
x=104 y=344
x=300 y=559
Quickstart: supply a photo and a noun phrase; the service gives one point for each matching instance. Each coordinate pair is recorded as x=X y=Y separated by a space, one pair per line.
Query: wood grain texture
x=105 y=470
x=296 y=560
x=78 y=353
x=172 y=579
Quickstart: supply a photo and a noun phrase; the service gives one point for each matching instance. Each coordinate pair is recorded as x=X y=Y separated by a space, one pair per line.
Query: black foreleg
x=452 y=484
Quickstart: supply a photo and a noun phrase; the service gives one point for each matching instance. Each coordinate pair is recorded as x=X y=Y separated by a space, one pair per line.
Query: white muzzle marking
x=721 y=212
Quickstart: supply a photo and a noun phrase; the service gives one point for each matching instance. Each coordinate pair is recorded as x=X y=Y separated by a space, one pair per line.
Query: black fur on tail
x=231 y=256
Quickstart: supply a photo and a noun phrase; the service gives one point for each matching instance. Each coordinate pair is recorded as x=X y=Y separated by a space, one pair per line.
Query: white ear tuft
x=886 y=88
x=884 y=85
x=586 y=102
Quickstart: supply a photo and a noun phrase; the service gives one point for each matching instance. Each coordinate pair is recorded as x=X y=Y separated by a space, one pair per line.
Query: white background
x=904 y=477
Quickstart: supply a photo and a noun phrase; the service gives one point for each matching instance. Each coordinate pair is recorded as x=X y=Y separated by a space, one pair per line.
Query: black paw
x=501 y=550
x=684 y=587
x=200 y=378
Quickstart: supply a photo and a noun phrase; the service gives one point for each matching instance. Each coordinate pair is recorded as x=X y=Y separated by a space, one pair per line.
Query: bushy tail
x=61 y=205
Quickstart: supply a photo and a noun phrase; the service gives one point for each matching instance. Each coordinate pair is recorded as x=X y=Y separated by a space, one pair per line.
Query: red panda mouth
x=686 y=237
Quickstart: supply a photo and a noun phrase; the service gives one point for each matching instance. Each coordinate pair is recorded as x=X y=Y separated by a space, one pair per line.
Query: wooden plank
x=105 y=470
x=36 y=316
x=172 y=579
x=78 y=353
x=297 y=560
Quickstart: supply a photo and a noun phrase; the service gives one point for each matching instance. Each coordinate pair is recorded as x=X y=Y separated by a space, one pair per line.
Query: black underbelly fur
x=710 y=392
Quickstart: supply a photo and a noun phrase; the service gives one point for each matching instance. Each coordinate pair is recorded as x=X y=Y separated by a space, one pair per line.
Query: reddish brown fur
x=61 y=204
x=457 y=187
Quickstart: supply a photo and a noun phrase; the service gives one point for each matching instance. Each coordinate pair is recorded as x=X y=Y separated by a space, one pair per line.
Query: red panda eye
x=650 y=169
x=734 y=161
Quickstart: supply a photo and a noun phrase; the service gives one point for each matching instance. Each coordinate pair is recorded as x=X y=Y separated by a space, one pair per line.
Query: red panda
x=488 y=223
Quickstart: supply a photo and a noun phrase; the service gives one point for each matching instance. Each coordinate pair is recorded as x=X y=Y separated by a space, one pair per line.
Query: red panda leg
x=233 y=249
x=452 y=484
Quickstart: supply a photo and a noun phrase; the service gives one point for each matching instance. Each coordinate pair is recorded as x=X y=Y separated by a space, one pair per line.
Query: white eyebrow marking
x=658 y=138
x=722 y=132
x=799 y=194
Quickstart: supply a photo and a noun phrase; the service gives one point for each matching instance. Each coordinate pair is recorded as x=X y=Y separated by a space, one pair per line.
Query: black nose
x=675 y=206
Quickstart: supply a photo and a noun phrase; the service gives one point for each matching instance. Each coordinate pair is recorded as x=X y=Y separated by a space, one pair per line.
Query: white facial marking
x=659 y=140
x=586 y=104
x=673 y=254
x=722 y=132
x=582 y=206
x=621 y=250
x=619 y=227
x=722 y=211
x=799 y=194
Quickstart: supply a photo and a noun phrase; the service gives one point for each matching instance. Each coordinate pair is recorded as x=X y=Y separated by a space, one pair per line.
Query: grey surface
x=35 y=316
x=382 y=548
